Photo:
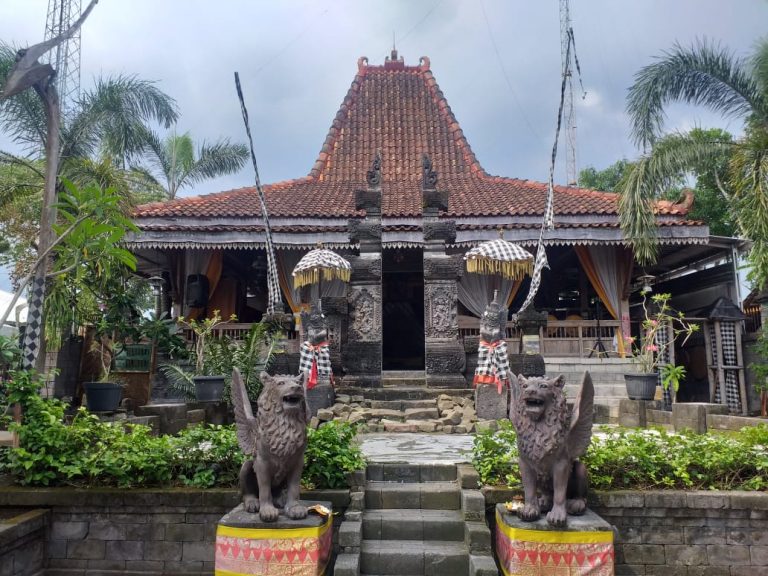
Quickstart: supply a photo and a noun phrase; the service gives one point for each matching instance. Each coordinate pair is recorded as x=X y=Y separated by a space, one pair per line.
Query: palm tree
x=175 y=163
x=704 y=74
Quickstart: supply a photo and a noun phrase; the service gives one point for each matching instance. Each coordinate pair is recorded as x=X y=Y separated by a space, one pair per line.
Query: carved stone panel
x=444 y=230
x=365 y=313
x=441 y=314
x=443 y=268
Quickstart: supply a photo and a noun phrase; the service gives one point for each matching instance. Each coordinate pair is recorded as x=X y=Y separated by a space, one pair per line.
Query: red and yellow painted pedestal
x=583 y=548
x=245 y=546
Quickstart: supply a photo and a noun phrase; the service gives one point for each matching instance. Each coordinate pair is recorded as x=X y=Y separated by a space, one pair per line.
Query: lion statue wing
x=244 y=419
x=580 y=433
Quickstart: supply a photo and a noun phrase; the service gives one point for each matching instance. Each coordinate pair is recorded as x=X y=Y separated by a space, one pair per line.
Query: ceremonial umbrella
x=320 y=264
x=500 y=257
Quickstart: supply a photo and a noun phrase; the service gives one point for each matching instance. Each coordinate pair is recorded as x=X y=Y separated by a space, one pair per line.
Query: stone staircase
x=419 y=520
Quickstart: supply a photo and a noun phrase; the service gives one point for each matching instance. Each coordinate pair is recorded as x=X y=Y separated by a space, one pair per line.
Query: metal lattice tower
x=569 y=114
x=65 y=59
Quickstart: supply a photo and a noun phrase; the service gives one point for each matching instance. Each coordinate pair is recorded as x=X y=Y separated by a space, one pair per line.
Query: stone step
x=409 y=524
x=410 y=473
x=413 y=557
x=408 y=393
x=426 y=496
x=601 y=390
x=403 y=378
x=403 y=404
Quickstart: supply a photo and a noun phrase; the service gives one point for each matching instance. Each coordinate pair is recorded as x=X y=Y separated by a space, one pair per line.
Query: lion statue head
x=282 y=410
x=539 y=414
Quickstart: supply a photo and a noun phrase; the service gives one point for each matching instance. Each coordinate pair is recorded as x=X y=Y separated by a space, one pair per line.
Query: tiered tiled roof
x=400 y=111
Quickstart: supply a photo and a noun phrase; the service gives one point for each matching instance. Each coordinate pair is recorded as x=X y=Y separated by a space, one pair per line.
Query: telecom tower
x=65 y=59
x=567 y=56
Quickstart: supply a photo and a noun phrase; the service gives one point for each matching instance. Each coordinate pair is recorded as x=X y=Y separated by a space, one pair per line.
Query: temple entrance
x=403 y=309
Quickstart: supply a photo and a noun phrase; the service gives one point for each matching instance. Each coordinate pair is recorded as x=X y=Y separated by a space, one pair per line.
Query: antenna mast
x=566 y=38
x=65 y=59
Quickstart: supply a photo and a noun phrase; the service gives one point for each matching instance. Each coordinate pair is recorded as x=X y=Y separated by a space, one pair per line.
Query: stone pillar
x=445 y=358
x=362 y=350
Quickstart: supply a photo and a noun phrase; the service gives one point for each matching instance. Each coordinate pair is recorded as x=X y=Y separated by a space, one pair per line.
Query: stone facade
x=22 y=542
x=146 y=531
x=674 y=533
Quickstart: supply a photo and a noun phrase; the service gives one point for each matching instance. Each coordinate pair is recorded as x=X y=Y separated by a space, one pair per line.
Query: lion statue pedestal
x=537 y=548
x=246 y=545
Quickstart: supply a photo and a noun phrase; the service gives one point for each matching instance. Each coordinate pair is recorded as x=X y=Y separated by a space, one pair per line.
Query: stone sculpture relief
x=365 y=314
x=274 y=441
x=550 y=444
x=442 y=316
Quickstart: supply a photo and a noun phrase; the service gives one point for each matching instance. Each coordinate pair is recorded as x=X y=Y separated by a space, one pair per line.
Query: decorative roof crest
x=429 y=176
x=373 y=177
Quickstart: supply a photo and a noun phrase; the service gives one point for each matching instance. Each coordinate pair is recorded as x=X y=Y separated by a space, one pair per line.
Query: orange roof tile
x=399 y=111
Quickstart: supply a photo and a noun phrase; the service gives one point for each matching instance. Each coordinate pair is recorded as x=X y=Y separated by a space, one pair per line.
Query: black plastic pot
x=641 y=386
x=102 y=396
x=209 y=388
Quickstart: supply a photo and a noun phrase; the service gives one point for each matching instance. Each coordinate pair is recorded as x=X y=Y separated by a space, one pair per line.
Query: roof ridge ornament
x=362 y=63
x=373 y=176
x=429 y=176
x=424 y=63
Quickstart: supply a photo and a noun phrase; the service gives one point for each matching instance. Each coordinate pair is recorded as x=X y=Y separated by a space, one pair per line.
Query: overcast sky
x=496 y=61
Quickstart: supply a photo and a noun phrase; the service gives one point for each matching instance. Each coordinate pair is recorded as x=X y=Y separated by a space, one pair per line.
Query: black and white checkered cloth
x=538 y=266
x=34 y=328
x=315 y=362
x=322 y=259
x=492 y=364
x=728 y=341
x=501 y=250
x=663 y=356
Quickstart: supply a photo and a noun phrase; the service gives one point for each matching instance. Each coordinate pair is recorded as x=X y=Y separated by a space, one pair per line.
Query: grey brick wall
x=675 y=533
x=152 y=531
x=22 y=542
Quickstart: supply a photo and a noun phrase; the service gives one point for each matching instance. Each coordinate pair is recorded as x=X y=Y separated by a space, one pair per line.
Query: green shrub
x=331 y=455
x=495 y=456
x=89 y=452
x=645 y=459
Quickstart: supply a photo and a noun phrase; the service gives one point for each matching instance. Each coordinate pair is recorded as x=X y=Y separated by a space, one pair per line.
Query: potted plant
x=209 y=373
x=103 y=395
x=659 y=316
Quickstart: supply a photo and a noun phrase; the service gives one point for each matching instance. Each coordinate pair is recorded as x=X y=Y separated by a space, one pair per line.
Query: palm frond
x=179 y=380
x=114 y=113
x=650 y=177
x=23 y=115
x=218 y=159
x=760 y=65
x=703 y=74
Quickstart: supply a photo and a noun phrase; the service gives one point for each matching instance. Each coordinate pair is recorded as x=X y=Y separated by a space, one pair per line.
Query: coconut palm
x=704 y=74
x=175 y=164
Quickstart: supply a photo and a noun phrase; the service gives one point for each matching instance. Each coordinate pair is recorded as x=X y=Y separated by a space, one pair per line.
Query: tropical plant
x=606 y=179
x=708 y=75
x=175 y=164
x=223 y=354
x=671 y=375
x=657 y=317
x=760 y=370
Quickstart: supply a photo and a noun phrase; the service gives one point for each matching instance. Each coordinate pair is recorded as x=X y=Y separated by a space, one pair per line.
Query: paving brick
x=350 y=534
x=643 y=554
x=162 y=550
x=724 y=555
x=705 y=535
x=125 y=550
x=198 y=551
x=759 y=555
x=473 y=504
x=184 y=532
x=86 y=549
x=347 y=565
x=684 y=555
x=69 y=530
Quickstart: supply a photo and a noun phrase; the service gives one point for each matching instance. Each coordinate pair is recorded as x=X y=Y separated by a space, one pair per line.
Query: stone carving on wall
x=365 y=314
x=442 y=316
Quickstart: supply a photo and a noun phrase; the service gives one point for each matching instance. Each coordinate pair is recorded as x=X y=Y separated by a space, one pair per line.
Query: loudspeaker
x=197 y=291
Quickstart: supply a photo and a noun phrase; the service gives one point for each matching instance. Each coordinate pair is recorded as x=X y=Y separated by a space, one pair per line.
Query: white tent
x=17 y=316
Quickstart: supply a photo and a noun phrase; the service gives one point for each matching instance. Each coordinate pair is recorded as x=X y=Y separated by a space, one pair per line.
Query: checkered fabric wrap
x=728 y=340
x=273 y=283
x=499 y=257
x=34 y=329
x=539 y=265
x=492 y=364
x=314 y=362
x=663 y=355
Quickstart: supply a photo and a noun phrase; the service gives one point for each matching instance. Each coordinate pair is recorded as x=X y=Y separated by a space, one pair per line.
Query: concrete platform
x=417 y=448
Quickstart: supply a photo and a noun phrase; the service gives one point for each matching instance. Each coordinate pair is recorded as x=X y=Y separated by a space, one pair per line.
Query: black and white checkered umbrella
x=320 y=264
x=500 y=257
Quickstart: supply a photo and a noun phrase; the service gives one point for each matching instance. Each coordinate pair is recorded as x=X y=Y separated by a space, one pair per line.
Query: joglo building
x=397 y=190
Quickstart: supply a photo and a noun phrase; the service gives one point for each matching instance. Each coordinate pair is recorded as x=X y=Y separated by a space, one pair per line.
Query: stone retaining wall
x=675 y=533
x=150 y=531
x=22 y=542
